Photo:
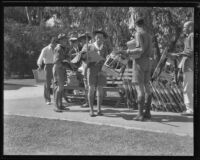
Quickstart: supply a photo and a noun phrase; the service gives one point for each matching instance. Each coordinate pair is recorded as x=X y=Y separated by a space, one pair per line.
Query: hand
x=39 y=68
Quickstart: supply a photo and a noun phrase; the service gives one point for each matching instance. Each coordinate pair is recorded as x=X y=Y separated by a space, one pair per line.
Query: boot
x=147 y=114
x=147 y=106
x=140 y=116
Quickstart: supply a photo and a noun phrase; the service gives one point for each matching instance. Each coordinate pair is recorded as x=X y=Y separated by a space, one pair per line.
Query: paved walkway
x=24 y=98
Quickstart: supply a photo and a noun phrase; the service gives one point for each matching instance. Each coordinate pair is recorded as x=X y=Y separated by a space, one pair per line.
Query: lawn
x=36 y=136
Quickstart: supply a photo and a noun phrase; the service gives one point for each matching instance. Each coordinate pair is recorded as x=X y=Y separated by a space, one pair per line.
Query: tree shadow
x=8 y=86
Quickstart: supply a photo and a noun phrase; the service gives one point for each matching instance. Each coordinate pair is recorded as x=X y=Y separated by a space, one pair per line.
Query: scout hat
x=84 y=35
x=62 y=36
x=188 y=24
x=100 y=31
x=73 y=38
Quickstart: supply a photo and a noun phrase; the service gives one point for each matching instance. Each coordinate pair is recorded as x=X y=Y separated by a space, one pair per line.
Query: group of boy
x=57 y=59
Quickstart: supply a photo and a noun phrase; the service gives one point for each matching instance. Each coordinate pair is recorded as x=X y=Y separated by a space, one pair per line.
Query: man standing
x=95 y=77
x=187 y=66
x=83 y=39
x=59 y=71
x=141 y=72
x=46 y=56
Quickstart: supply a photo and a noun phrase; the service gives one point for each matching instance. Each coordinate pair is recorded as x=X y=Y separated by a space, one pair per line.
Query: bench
x=112 y=91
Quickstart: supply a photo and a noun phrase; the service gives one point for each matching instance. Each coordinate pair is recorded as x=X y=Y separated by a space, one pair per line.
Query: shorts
x=95 y=77
x=139 y=75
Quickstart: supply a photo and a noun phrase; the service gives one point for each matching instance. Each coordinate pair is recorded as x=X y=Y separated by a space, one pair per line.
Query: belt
x=49 y=63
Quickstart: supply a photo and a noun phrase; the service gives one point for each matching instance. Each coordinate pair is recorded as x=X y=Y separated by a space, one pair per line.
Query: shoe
x=139 y=118
x=92 y=115
x=99 y=114
x=147 y=114
x=48 y=103
x=187 y=113
x=147 y=106
x=86 y=105
x=58 y=110
x=64 y=108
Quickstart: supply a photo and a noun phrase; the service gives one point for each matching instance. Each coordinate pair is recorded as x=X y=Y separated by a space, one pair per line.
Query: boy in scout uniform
x=142 y=69
x=59 y=71
x=95 y=77
x=82 y=39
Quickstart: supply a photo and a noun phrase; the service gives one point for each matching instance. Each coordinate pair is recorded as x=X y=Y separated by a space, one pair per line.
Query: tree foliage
x=26 y=33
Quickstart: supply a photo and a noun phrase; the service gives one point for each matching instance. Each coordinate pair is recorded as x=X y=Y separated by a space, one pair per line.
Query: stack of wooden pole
x=167 y=97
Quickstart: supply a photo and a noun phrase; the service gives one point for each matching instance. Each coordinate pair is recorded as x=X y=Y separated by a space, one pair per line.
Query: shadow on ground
x=130 y=114
x=9 y=86
x=155 y=118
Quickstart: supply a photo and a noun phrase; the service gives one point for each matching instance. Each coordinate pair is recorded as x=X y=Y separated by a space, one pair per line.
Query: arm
x=188 y=52
x=40 y=59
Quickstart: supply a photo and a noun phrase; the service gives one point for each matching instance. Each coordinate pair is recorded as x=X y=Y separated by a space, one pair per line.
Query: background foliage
x=26 y=33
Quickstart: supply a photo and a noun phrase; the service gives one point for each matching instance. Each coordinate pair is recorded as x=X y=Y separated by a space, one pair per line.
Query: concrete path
x=25 y=98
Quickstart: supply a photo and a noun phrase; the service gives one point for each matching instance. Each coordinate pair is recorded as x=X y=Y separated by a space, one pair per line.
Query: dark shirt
x=60 y=54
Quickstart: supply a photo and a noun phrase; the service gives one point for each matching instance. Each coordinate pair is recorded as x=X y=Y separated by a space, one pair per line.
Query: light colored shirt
x=189 y=49
x=103 y=50
x=46 y=56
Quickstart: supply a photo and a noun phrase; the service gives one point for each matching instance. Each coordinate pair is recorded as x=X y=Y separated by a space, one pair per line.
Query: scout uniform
x=95 y=77
x=59 y=72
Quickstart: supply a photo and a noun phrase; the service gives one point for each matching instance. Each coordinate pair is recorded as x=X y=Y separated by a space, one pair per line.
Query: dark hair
x=53 y=40
x=140 y=22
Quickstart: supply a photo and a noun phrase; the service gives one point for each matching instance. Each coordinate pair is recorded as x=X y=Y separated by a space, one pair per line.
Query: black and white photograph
x=98 y=80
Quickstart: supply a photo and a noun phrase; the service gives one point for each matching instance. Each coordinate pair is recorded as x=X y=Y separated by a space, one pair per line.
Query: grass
x=36 y=136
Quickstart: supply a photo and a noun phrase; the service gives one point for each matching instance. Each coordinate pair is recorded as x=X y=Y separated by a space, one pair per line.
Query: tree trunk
x=28 y=15
x=39 y=15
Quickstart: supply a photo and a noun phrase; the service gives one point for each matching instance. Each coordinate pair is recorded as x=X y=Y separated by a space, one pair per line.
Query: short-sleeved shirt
x=103 y=51
x=46 y=55
x=94 y=75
